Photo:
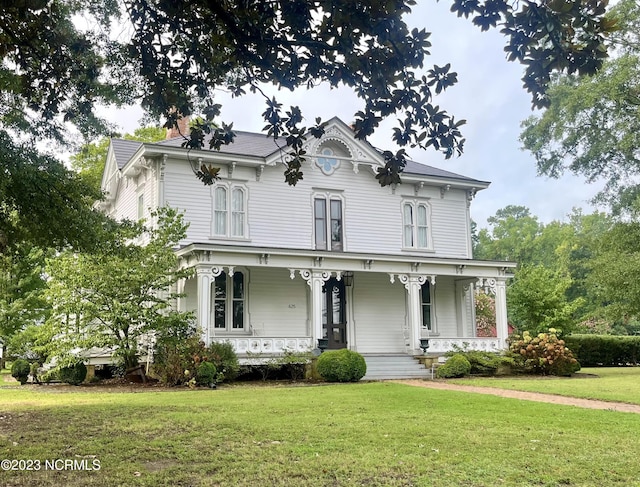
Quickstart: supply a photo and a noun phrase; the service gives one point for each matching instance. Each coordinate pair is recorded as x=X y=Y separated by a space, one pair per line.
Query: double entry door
x=334 y=316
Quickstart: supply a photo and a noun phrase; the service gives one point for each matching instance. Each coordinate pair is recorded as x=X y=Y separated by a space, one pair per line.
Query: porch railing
x=442 y=345
x=257 y=345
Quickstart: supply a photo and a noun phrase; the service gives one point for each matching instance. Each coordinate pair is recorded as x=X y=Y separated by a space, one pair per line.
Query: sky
x=489 y=95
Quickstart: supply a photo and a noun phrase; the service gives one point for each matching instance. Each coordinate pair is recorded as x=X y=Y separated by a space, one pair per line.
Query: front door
x=334 y=321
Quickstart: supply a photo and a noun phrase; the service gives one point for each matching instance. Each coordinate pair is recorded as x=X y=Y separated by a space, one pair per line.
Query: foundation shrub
x=341 y=366
x=206 y=374
x=485 y=363
x=224 y=357
x=74 y=374
x=456 y=366
x=543 y=354
x=174 y=361
x=20 y=370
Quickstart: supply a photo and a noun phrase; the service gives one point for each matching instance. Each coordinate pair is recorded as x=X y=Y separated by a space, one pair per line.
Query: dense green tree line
x=575 y=275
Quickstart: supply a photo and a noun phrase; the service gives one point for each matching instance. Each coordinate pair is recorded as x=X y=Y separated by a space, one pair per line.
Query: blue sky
x=489 y=95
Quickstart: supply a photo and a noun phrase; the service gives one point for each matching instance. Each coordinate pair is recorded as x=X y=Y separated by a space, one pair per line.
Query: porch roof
x=239 y=255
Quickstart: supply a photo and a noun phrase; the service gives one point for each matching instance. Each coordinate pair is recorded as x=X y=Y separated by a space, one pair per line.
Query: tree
x=44 y=204
x=537 y=300
x=592 y=124
x=614 y=271
x=180 y=52
x=22 y=283
x=90 y=159
x=512 y=235
x=118 y=294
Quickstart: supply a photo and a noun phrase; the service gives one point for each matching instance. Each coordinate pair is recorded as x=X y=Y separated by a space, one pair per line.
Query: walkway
x=527 y=396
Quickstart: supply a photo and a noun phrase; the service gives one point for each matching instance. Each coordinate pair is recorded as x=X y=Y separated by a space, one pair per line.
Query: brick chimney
x=183 y=126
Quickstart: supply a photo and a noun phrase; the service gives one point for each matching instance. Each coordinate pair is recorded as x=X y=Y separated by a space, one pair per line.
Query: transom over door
x=334 y=322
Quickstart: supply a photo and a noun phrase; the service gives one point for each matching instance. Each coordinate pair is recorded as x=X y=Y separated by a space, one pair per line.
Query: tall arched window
x=229 y=211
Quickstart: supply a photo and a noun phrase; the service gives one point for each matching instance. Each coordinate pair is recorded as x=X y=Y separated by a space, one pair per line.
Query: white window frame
x=432 y=308
x=413 y=226
x=140 y=204
x=229 y=301
x=230 y=212
x=328 y=197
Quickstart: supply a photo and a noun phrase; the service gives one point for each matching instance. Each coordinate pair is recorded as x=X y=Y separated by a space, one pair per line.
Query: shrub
x=341 y=366
x=206 y=374
x=543 y=354
x=455 y=366
x=50 y=376
x=73 y=374
x=290 y=365
x=20 y=370
x=484 y=363
x=174 y=361
x=605 y=350
x=225 y=359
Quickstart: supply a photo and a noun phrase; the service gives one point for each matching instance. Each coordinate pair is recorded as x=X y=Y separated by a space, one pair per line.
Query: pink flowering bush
x=544 y=354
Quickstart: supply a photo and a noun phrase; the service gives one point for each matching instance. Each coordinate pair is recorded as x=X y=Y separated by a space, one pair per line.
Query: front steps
x=381 y=367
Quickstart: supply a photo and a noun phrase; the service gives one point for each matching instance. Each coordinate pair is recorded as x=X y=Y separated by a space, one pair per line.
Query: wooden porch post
x=502 y=325
x=204 y=276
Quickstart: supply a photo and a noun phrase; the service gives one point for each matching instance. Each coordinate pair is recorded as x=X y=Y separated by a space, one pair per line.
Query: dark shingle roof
x=420 y=169
x=245 y=143
x=123 y=150
x=260 y=145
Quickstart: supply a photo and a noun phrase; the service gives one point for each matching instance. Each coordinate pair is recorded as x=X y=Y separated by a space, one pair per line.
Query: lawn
x=368 y=434
x=608 y=384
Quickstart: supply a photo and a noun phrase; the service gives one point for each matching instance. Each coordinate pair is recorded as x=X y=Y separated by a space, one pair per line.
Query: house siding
x=379 y=314
x=281 y=216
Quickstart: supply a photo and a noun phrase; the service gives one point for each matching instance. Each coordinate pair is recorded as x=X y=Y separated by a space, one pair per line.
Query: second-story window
x=327 y=214
x=229 y=212
x=416 y=232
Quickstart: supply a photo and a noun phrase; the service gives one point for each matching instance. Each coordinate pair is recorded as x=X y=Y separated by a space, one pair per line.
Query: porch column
x=205 y=277
x=502 y=325
x=413 y=285
x=315 y=280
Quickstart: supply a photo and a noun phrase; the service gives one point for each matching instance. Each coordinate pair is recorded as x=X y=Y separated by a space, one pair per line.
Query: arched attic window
x=330 y=154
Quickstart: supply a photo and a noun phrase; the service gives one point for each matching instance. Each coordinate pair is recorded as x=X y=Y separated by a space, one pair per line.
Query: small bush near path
x=341 y=366
x=455 y=366
x=20 y=370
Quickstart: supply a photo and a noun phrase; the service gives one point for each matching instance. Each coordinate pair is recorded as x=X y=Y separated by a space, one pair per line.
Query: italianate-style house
x=336 y=261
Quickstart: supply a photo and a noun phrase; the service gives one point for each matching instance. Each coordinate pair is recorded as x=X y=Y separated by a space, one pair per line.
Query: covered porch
x=269 y=301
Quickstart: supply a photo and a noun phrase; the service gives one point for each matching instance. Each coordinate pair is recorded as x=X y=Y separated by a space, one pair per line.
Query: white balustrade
x=441 y=345
x=266 y=345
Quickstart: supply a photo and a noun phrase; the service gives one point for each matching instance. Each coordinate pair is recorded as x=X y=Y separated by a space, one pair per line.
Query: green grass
x=611 y=384
x=369 y=434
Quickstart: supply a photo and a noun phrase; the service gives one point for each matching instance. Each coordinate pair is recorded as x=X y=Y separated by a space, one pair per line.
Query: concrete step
x=380 y=367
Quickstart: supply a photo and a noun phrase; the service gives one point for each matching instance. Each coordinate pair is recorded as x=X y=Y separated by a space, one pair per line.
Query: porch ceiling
x=248 y=256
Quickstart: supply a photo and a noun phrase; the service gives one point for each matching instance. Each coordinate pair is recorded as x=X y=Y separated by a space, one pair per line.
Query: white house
x=337 y=257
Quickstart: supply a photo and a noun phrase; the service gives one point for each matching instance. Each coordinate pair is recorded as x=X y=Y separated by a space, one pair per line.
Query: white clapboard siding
x=277 y=304
x=282 y=216
x=379 y=314
x=445 y=303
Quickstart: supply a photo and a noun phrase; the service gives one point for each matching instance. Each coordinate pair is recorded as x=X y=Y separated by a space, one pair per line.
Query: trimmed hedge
x=20 y=370
x=73 y=374
x=341 y=366
x=455 y=366
x=605 y=350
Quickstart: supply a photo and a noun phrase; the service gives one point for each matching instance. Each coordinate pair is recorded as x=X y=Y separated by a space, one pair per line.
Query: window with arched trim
x=229 y=211
x=229 y=296
x=416 y=225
